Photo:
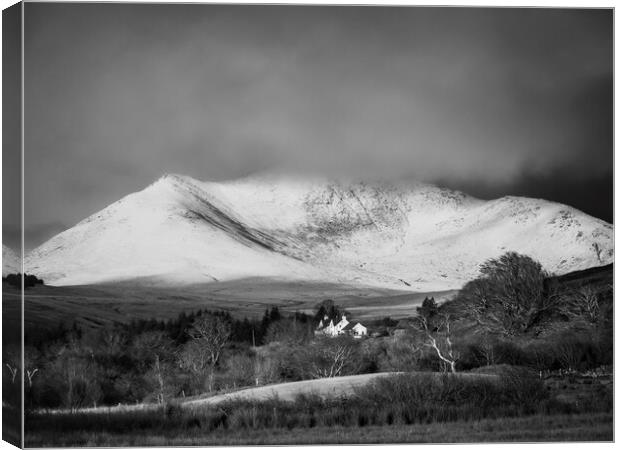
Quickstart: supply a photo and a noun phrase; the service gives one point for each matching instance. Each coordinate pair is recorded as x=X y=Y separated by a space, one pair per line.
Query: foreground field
x=539 y=428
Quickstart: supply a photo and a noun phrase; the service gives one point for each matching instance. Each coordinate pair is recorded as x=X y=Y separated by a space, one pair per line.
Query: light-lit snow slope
x=407 y=235
x=11 y=262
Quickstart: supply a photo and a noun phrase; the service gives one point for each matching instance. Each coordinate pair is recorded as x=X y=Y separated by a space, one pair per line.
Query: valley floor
x=101 y=305
x=539 y=428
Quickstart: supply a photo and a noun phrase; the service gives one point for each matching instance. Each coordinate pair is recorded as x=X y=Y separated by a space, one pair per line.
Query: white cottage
x=359 y=330
x=344 y=327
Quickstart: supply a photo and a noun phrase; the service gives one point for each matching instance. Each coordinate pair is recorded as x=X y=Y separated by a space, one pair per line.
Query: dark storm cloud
x=591 y=194
x=11 y=126
x=11 y=234
x=118 y=94
x=585 y=178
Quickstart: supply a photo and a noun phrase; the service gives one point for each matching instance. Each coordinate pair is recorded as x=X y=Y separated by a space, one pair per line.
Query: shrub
x=451 y=397
x=394 y=354
x=510 y=353
x=15 y=280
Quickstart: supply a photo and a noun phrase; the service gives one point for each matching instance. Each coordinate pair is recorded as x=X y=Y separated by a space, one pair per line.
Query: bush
x=510 y=353
x=455 y=397
x=471 y=357
x=393 y=354
x=15 y=280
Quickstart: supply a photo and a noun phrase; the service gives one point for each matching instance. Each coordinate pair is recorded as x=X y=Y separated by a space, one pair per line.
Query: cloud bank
x=118 y=94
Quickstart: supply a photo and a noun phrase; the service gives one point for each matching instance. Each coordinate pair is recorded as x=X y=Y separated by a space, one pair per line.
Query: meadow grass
x=537 y=428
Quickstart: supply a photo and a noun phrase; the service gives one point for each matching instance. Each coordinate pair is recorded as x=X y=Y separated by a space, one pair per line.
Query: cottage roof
x=349 y=326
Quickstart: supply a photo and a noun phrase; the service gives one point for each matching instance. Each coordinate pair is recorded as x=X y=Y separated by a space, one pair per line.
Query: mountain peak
x=291 y=227
x=173 y=178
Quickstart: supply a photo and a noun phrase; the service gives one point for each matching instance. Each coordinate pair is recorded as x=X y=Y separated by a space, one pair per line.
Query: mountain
x=11 y=262
x=405 y=235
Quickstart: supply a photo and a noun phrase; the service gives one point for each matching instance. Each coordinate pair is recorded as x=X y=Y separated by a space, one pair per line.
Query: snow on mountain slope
x=169 y=231
x=11 y=262
x=403 y=235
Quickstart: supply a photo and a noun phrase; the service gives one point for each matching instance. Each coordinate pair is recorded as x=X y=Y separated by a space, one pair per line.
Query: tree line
x=155 y=360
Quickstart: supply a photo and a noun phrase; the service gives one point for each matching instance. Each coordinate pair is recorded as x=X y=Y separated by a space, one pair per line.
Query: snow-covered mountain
x=405 y=235
x=11 y=262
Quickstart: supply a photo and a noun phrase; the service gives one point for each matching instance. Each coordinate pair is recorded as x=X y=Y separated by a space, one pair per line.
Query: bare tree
x=13 y=370
x=78 y=376
x=265 y=368
x=12 y=361
x=211 y=334
x=31 y=360
x=194 y=359
x=332 y=357
x=240 y=369
x=582 y=304
x=487 y=348
x=155 y=346
x=438 y=336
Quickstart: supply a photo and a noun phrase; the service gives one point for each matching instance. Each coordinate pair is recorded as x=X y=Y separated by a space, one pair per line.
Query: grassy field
x=103 y=304
x=539 y=428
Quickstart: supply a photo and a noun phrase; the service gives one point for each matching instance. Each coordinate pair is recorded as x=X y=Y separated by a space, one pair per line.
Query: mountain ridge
x=407 y=235
x=11 y=262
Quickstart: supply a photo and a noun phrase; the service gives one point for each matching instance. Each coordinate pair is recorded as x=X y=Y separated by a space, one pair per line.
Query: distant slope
x=97 y=305
x=11 y=262
x=599 y=279
x=408 y=236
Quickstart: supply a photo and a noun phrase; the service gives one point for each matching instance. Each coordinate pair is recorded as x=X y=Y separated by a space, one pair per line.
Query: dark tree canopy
x=509 y=297
x=429 y=308
x=15 y=279
x=330 y=309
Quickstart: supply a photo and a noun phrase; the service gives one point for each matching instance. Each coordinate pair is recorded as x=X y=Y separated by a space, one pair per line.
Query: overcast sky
x=493 y=101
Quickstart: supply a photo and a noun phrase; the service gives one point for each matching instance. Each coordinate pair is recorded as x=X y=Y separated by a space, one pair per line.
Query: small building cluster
x=344 y=327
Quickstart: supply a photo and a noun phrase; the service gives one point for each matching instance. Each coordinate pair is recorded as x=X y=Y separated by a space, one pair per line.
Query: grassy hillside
x=599 y=277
